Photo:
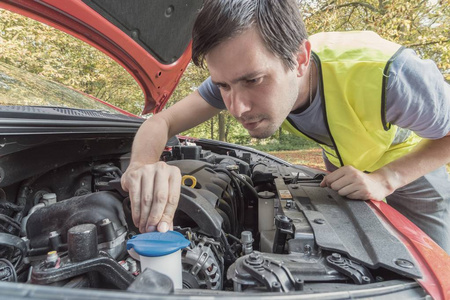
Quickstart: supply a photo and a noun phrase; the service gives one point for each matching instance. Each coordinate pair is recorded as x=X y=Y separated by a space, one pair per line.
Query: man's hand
x=154 y=193
x=354 y=184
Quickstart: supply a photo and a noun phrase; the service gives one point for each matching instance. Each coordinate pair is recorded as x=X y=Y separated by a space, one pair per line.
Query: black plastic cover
x=351 y=227
x=63 y=215
x=161 y=27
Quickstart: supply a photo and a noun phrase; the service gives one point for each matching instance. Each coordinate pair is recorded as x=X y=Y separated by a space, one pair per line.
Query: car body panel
x=434 y=261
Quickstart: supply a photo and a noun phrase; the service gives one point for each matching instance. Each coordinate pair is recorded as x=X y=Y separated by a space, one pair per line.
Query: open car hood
x=150 y=39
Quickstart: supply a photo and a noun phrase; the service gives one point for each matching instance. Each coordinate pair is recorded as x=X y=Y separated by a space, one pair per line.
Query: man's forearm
x=355 y=184
x=154 y=186
x=149 y=142
x=426 y=157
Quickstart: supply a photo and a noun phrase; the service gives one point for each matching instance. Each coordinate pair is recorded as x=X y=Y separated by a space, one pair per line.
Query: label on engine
x=285 y=194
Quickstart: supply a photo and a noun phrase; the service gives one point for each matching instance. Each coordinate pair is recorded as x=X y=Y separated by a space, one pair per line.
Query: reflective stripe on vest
x=353 y=67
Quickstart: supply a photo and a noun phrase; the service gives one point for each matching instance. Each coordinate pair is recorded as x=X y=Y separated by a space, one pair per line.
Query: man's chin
x=261 y=134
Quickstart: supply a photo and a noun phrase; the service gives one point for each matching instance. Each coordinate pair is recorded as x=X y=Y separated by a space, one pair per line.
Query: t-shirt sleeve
x=211 y=93
x=417 y=96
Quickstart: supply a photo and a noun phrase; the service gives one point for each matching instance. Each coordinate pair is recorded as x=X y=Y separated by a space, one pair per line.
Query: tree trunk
x=212 y=128
x=221 y=127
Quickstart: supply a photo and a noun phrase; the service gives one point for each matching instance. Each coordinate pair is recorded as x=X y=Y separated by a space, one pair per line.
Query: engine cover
x=61 y=216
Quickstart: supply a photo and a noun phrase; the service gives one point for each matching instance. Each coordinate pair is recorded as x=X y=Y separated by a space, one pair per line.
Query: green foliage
x=418 y=24
x=191 y=80
x=287 y=141
x=43 y=50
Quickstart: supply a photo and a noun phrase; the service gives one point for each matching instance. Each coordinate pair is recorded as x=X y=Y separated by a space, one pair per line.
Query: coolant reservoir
x=160 y=252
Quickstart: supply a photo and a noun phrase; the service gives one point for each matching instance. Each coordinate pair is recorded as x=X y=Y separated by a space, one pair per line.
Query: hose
x=14 y=242
x=246 y=183
x=239 y=193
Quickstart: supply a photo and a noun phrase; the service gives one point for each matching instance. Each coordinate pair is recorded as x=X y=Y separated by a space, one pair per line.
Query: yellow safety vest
x=353 y=68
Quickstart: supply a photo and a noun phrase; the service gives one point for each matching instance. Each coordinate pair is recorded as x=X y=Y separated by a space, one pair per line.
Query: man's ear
x=303 y=57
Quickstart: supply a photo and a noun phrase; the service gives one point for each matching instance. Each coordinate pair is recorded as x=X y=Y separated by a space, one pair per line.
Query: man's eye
x=222 y=86
x=254 y=80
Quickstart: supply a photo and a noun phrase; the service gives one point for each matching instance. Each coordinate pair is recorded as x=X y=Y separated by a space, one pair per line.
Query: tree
x=420 y=25
x=55 y=55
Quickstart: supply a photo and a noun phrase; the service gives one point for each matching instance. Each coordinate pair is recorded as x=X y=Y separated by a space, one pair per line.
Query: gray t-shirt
x=417 y=99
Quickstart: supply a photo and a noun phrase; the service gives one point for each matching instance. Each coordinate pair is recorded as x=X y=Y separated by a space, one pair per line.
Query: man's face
x=257 y=88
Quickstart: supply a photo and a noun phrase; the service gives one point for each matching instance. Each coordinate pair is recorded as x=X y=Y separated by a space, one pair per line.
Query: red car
x=256 y=226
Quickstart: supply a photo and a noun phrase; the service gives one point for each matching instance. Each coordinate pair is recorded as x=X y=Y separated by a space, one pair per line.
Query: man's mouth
x=251 y=125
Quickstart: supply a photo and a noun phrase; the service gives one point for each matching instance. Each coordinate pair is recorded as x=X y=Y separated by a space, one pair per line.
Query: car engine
x=254 y=223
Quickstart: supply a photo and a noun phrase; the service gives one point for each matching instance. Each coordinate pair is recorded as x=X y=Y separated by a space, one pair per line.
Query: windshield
x=60 y=60
x=20 y=88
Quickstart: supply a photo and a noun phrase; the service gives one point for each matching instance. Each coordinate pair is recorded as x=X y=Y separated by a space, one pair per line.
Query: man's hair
x=278 y=22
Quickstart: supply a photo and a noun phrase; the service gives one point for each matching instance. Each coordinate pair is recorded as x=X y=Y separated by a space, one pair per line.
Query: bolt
x=365 y=279
x=169 y=11
x=319 y=221
x=254 y=259
x=254 y=256
x=336 y=257
x=403 y=263
x=307 y=249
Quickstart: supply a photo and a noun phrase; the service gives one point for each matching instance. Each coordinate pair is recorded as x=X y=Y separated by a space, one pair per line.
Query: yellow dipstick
x=194 y=180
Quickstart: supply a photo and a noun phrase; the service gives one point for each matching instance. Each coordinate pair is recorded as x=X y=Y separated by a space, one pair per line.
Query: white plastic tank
x=160 y=252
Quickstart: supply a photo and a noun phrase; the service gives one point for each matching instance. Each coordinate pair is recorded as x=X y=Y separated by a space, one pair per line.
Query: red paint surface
x=433 y=261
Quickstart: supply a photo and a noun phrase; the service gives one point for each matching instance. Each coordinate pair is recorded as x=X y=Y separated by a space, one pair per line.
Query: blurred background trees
x=421 y=25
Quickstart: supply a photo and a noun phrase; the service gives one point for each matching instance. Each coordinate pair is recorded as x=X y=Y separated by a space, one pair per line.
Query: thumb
x=124 y=183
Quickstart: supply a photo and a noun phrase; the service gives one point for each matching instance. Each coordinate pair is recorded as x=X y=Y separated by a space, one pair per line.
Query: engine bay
x=254 y=222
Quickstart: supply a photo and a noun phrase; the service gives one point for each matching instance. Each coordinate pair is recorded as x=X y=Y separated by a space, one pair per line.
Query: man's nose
x=238 y=104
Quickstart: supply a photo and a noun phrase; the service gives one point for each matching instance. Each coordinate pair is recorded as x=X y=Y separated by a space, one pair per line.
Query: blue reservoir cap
x=157 y=243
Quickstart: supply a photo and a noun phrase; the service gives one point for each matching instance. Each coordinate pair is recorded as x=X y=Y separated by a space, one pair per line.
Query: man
x=360 y=97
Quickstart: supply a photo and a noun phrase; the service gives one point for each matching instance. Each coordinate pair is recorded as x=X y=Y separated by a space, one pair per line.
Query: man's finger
x=341 y=183
x=135 y=197
x=160 y=198
x=347 y=189
x=124 y=182
x=146 y=200
x=332 y=177
x=172 y=203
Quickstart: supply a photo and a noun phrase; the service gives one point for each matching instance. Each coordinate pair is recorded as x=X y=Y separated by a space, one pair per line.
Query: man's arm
x=427 y=156
x=153 y=186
